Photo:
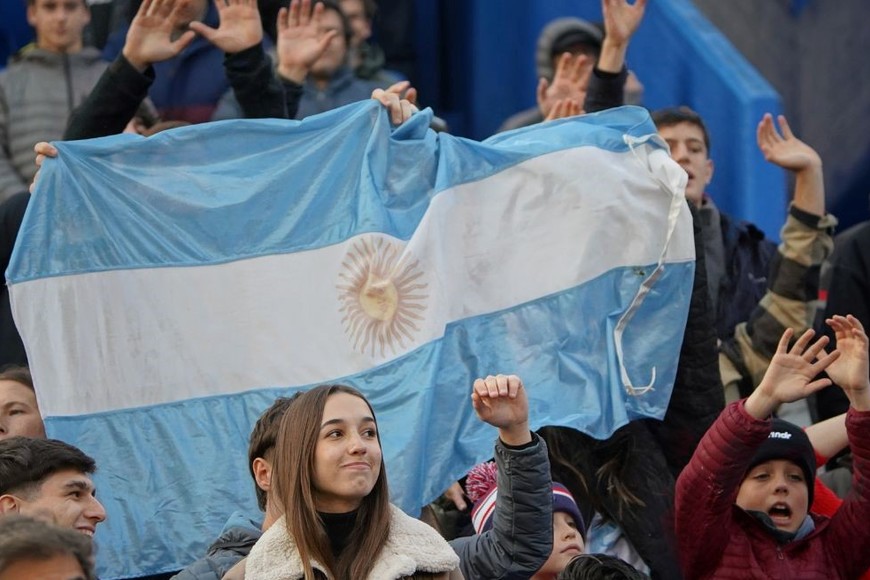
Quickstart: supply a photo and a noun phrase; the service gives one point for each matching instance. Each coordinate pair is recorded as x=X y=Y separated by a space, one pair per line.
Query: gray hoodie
x=38 y=91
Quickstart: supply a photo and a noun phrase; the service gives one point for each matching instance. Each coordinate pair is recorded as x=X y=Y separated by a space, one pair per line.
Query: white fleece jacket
x=412 y=546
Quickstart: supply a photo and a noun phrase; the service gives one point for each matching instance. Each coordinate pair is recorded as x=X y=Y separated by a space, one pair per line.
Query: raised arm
x=791 y=374
x=621 y=21
x=829 y=436
x=793 y=271
x=521 y=538
x=249 y=71
x=124 y=85
x=789 y=152
x=607 y=83
x=848 y=540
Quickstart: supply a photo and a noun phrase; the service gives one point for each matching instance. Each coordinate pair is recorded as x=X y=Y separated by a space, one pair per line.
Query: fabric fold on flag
x=168 y=288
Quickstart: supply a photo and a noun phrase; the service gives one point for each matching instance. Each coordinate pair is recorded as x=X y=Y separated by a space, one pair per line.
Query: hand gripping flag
x=169 y=288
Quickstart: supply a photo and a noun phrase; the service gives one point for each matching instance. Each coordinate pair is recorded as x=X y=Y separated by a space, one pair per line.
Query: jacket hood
x=554 y=31
x=412 y=546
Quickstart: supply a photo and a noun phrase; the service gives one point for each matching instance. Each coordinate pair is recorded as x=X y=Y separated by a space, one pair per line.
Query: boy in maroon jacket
x=742 y=503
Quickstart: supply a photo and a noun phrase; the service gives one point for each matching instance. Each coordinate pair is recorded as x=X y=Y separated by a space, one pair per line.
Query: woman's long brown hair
x=294 y=490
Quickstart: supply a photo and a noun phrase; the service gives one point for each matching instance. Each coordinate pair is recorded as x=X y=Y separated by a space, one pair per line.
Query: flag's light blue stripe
x=170 y=502
x=238 y=189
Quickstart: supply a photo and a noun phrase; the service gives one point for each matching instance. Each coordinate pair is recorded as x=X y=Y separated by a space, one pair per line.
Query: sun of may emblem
x=382 y=295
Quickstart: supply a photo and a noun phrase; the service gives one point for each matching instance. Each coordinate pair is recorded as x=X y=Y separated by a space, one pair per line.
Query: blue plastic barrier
x=476 y=66
x=14 y=30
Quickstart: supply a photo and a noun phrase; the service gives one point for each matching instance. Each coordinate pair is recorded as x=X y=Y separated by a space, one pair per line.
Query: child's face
x=567 y=543
x=779 y=489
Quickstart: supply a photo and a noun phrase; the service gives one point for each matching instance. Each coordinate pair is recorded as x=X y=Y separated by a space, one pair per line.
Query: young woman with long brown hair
x=330 y=479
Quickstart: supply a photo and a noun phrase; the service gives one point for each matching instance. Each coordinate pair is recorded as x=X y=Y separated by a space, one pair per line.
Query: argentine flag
x=169 y=288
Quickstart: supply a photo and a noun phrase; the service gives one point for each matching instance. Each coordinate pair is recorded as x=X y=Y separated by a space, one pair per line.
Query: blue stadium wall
x=476 y=67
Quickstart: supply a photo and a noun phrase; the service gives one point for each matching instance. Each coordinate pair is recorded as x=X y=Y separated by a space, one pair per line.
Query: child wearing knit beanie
x=569 y=529
x=743 y=501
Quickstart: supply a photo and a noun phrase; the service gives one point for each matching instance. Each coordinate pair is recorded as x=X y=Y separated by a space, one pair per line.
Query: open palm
x=784 y=150
x=301 y=41
x=149 y=39
x=850 y=371
x=239 y=29
x=792 y=373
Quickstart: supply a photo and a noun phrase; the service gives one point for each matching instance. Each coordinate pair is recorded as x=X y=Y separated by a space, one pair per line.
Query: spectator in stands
x=573 y=54
x=599 y=567
x=49 y=480
x=845 y=287
x=240 y=533
x=365 y=58
x=19 y=413
x=327 y=80
x=112 y=103
x=744 y=499
x=32 y=549
x=330 y=477
x=562 y=36
x=514 y=520
x=44 y=82
x=189 y=83
x=792 y=271
x=738 y=254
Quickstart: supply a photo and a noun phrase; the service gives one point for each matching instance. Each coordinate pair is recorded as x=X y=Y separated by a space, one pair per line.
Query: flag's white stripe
x=482 y=247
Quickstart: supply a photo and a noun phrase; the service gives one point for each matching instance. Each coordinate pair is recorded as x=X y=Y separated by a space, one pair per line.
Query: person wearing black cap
x=584 y=61
x=743 y=502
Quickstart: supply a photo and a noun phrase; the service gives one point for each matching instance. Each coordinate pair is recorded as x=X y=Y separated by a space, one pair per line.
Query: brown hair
x=16 y=373
x=676 y=115
x=263 y=437
x=293 y=479
x=23 y=538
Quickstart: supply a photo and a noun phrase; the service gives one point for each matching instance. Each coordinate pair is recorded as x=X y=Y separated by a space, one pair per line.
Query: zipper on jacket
x=67 y=72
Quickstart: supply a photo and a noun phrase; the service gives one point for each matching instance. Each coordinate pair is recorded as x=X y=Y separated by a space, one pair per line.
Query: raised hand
x=399 y=109
x=149 y=38
x=791 y=374
x=301 y=41
x=785 y=150
x=621 y=19
x=570 y=82
x=240 y=27
x=501 y=401
x=563 y=108
x=851 y=371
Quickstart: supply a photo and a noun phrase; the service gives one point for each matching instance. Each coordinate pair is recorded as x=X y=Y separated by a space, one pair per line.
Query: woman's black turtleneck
x=338 y=528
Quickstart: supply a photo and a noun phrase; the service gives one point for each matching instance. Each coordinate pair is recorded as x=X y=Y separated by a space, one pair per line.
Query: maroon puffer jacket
x=717 y=539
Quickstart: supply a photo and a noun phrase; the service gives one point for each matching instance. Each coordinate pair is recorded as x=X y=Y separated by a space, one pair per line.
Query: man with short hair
x=49 y=480
x=757 y=290
x=738 y=254
x=241 y=533
x=19 y=413
x=44 y=82
x=35 y=549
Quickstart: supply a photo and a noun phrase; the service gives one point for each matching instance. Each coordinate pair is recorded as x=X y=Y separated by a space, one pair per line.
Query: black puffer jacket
x=521 y=538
